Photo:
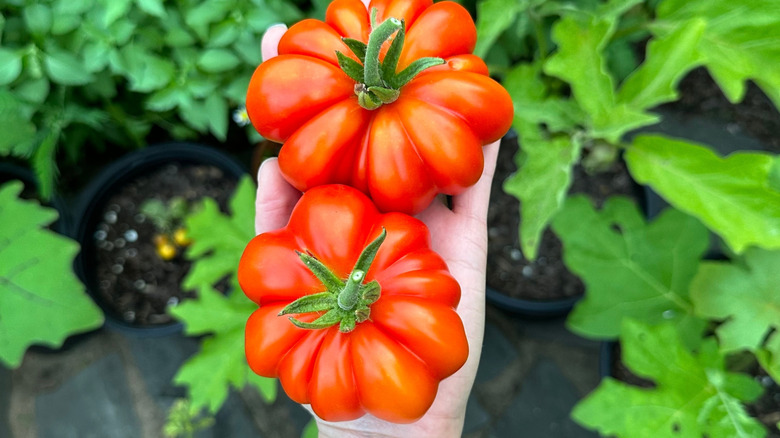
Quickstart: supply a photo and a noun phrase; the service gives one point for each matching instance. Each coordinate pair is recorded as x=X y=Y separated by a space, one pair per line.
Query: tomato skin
x=291 y=100
x=391 y=364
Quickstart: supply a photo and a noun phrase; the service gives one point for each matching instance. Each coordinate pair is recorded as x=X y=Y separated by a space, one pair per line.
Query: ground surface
x=113 y=385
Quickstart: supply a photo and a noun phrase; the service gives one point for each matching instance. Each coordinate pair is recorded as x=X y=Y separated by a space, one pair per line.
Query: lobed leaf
x=41 y=300
x=631 y=269
x=493 y=18
x=668 y=60
x=580 y=61
x=221 y=363
x=752 y=281
x=731 y=195
x=694 y=395
x=739 y=40
x=541 y=184
x=218 y=240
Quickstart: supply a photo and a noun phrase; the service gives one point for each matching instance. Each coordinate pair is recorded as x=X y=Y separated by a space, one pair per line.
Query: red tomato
x=390 y=364
x=403 y=153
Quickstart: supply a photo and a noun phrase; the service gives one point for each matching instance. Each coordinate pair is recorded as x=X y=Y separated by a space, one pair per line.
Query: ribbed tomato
x=401 y=113
x=376 y=328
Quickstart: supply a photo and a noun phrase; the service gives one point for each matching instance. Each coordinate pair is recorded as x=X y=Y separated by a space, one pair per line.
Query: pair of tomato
x=389 y=105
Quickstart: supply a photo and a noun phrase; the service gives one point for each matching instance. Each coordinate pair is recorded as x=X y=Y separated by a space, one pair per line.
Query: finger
x=474 y=201
x=275 y=198
x=366 y=2
x=270 y=42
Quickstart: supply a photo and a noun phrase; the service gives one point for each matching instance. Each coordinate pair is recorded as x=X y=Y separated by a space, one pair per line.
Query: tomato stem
x=378 y=36
x=377 y=82
x=345 y=302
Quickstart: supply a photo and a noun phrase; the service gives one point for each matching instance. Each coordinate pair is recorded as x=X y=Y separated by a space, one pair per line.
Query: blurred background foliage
x=81 y=74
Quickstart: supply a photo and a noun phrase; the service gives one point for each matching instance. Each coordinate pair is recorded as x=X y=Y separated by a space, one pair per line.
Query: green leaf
x=38 y=18
x=193 y=112
x=631 y=269
x=221 y=362
x=740 y=42
x=211 y=11
x=43 y=160
x=224 y=34
x=219 y=240
x=541 y=184
x=668 y=60
x=17 y=130
x=41 y=300
x=236 y=90
x=167 y=98
x=310 y=431
x=114 y=9
x=152 y=7
x=580 y=62
x=64 y=23
x=774 y=175
x=267 y=386
x=494 y=17
x=694 y=395
x=96 y=55
x=247 y=48
x=769 y=356
x=33 y=90
x=730 y=195
x=65 y=68
x=75 y=7
x=217 y=112
x=752 y=282
x=146 y=71
x=10 y=65
x=218 y=60
x=534 y=104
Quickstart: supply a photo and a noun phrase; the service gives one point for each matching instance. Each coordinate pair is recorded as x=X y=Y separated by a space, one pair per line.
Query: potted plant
x=132 y=231
x=584 y=78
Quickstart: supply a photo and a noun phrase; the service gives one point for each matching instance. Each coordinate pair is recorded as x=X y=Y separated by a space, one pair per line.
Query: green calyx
x=377 y=81
x=345 y=302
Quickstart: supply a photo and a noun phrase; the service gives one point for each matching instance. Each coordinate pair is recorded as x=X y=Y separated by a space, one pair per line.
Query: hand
x=465 y=254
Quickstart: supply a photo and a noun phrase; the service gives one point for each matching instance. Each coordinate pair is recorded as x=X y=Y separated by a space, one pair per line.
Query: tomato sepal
x=346 y=302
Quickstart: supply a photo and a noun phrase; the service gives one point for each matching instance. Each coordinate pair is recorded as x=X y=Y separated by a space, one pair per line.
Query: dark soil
x=546 y=278
x=766 y=409
x=135 y=284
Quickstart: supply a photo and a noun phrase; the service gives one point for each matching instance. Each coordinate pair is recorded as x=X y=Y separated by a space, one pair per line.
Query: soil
x=134 y=283
x=546 y=278
x=766 y=409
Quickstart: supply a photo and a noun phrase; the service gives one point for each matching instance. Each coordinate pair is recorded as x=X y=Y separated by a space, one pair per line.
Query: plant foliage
x=108 y=71
x=583 y=76
x=41 y=300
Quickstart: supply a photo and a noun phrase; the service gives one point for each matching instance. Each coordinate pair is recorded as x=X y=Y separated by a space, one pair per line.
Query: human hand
x=459 y=235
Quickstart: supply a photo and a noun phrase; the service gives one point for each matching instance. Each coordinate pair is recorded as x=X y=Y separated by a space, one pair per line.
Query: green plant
x=41 y=300
x=217 y=242
x=183 y=423
x=105 y=72
x=168 y=219
x=579 y=89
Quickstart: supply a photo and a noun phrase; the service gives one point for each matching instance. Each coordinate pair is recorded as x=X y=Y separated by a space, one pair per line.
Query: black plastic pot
x=64 y=224
x=531 y=308
x=94 y=197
